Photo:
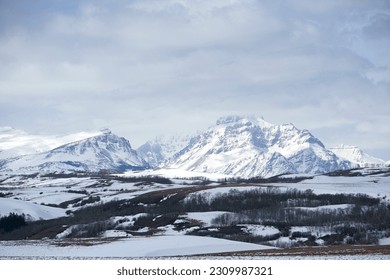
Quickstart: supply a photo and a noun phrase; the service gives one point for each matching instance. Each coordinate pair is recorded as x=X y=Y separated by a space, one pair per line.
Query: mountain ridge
x=356 y=155
x=105 y=151
x=247 y=146
x=161 y=148
x=16 y=142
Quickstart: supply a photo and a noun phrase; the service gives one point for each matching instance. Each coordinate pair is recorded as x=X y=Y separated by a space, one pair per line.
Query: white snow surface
x=384 y=241
x=371 y=185
x=175 y=173
x=178 y=245
x=215 y=192
x=31 y=210
x=260 y=230
x=205 y=217
x=250 y=147
x=358 y=156
x=327 y=207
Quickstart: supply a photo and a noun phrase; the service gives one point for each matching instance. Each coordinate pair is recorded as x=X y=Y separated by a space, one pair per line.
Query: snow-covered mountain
x=157 y=151
x=238 y=146
x=250 y=146
x=15 y=142
x=103 y=151
x=356 y=155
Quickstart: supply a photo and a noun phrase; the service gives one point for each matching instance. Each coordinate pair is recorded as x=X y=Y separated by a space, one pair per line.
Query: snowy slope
x=250 y=146
x=370 y=184
x=15 y=142
x=104 y=151
x=31 y=210
x=157 y=151
x=175 y=173
x=356 y=155
x=303 y=150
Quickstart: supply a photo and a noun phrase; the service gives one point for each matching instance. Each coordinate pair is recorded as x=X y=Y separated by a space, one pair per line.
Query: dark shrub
x=11 y=222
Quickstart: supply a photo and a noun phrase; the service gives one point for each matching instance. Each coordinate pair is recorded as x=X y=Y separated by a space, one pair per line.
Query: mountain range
x=156 y=152
x=235 y=145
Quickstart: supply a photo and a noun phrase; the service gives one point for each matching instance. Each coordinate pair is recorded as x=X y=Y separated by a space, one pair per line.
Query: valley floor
x=115 y=217
x=185 y=247
x=345 y=252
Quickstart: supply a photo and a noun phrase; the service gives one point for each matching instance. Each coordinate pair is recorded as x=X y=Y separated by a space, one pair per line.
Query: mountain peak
x=105 y=131
x=230 y=119
x=249 y=146
x=102 y=151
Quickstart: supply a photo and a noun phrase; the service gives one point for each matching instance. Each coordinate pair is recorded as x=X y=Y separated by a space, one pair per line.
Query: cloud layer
x=145 y=68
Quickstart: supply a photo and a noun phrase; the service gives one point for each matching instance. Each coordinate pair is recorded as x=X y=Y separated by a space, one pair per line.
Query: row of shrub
x=270 y=198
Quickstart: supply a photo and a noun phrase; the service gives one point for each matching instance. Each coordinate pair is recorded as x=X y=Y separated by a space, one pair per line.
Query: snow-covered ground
x=60 y=190
x=175 y=173
x=156 y=246
x=217 y=191
x=165 y=247
x=384 y=241
x=260 y=230
x=25 y=194
x=326 y=207
x=204 y=217
x=31 y=210
x=371 y=185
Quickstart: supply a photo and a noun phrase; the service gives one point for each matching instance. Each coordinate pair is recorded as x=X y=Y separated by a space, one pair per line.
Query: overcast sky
x=146 y=68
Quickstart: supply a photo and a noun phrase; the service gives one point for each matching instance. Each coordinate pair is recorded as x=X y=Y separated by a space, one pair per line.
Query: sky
x=148 y=68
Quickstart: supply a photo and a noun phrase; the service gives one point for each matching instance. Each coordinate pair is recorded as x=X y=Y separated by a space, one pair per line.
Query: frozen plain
x=28 y=196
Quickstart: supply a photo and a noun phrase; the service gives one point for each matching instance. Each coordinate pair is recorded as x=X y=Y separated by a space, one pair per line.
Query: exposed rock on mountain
x=249 y=146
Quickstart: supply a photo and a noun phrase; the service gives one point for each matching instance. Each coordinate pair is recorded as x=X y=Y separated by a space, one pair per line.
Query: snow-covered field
x=372 y=185
x=204 y=217
x=27 y=194
x=156 y=246
x=31 y=210
x=177 y=247
x=183 y=247
x=174 y=173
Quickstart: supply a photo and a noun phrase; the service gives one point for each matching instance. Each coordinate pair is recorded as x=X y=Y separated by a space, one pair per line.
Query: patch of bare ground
x=84 y=241
x=336 y=250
